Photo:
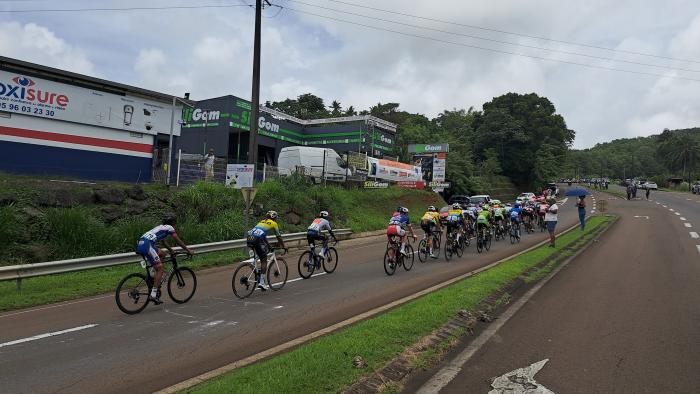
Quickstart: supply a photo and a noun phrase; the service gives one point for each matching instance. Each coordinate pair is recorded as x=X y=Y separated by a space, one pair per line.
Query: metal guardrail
x=19 y=272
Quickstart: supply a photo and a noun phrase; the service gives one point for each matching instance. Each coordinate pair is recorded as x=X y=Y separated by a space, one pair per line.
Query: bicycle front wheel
x=243 y=281
x=307 y=264
x=182 y=284
x=409 y=259
x=330 y=263
x=277 y=273
x=423 y=250
x=448 y=249
x=132 y=294
x=487 y=243
x=389 y=264
x=479 y=243
x=459 y=248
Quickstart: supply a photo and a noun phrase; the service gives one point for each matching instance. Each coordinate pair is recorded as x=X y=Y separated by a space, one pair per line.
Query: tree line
x=519 y=136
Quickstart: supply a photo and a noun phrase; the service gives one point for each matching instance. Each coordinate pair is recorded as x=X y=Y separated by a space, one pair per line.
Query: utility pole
x=255 y=96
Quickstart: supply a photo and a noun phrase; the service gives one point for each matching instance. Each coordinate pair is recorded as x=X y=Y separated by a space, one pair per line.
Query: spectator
x=551 y=219
x=209 y=165
x=648 y=191
x=581 y=205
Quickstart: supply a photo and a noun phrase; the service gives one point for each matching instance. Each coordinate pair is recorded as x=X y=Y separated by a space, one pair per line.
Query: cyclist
x=515 y=213
x=147 y=247
x=455 y=220
x=257 y=240
x=397 y=227
x=315 y=231
x=528 y=214
x=430 y=223
x=483 y=221
x=498 y=216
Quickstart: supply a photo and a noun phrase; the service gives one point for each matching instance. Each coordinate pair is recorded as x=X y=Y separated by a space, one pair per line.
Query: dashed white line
x=682 y=218
x=688 y=225
x=664 y=206
x=698 y=246
x=671 y=209
x=677 y=214
x=48 y=334
x=693 y=234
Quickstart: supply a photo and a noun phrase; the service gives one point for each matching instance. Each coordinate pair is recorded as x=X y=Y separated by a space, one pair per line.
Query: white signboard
x=393 y=170
x=240 y=175
x=47 y=99
x=438 y=169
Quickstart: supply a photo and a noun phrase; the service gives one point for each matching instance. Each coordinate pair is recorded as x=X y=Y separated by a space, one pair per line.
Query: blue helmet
x=517 y=205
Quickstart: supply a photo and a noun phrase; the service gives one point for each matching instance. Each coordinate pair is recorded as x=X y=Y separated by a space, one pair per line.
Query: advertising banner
x=439 y=185
x=240 y=175
x=428 y=148
x=375 y=185
x=393 y=170
x=47 y=99
x=438 y=169
x=411 y=184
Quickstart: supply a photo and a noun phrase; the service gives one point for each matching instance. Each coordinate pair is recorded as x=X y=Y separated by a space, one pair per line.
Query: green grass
x=325 y=365
x=62 y=287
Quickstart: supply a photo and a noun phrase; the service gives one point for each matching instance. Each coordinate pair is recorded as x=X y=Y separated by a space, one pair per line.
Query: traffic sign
x=248 y=195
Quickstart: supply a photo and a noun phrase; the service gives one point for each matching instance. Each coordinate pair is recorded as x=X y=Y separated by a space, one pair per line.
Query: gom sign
x=428 y=148
x=376 y=185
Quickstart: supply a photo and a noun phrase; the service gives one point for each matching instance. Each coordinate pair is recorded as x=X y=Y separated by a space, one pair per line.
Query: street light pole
x=255 y=96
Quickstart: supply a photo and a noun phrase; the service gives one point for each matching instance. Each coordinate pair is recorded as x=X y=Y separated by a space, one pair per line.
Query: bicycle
x=247 y=276
x=452 y=246
x=399 y=259
x=423 y=245
x=498 y=231
x=515 y=232
x=483 y=239
x=328 y=257
x=541 y=223
x=133 y=291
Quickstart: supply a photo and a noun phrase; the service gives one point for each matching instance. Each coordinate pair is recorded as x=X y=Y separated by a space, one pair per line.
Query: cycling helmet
x=517 y=205
x=169 y=219
x=323 y=214
x=403 y=209
x=456 y=206
x=271 y=215
x=432 y=208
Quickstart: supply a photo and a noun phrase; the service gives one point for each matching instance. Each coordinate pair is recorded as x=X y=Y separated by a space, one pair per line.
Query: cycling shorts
x=148 y=251
x=259 y=245
x=482 y=225
x=498 y=218
x=428 y=226
x=312 y=236
x=394 y=230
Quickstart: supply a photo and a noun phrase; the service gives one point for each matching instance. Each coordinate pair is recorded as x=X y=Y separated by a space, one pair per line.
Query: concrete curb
x=189 y=383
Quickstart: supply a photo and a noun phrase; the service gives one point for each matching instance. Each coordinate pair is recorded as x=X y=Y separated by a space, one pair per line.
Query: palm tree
x=336 y=109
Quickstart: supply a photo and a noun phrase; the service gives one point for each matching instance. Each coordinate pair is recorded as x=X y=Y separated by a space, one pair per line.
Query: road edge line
x=447 y=373
x=191 y=382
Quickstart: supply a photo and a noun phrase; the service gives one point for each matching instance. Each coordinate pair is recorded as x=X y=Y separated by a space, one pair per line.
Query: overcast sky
x=208 y=52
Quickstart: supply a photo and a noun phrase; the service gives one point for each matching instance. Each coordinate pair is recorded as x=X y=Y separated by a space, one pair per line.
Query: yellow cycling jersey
x=432 y=216
x=265 y=227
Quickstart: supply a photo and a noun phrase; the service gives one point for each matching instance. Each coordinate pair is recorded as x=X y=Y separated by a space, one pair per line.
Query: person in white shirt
x=551 y=219
x=209 y=165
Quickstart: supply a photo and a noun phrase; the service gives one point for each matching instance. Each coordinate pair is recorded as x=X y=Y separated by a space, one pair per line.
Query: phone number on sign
x=27 y=109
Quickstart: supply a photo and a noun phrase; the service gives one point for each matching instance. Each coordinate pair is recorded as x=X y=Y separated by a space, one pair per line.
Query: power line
x=515 y=34
x=490 y=49
x=183 y=7
x=500 y=41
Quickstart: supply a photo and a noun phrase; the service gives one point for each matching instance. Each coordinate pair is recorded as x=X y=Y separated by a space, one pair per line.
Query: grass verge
x=62 y=287
x=325 y=365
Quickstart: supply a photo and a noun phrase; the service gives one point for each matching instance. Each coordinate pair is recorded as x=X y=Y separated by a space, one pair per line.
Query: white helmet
x=432 y=208
x=456 y=206
x=323 y=214
x=271 y=215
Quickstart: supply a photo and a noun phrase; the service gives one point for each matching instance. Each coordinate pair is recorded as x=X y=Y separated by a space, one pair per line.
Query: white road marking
x=688 y=225
x=671 y=209
x=678 y=214
x=657 y=203
x=698 y=246
x=521 y=380
x=48 y=334
x=693 y=234
x=639 y=216
x=688 y=199
x=664 y=206
x=682 y=218
x=278 y=307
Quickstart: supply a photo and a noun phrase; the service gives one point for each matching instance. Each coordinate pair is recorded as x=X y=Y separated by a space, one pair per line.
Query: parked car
x=482 y=198
x=443 y=214
x=696 y=188
x=650 y=186
x=526 y=196
x=460 y=199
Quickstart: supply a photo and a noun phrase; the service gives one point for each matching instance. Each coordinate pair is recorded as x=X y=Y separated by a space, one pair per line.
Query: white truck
x=309 y=161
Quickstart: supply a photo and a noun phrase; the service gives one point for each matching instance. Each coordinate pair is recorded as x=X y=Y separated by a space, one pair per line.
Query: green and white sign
x=428 y=148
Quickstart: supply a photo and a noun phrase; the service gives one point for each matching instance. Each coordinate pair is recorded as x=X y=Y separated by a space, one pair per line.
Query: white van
x=309 y=161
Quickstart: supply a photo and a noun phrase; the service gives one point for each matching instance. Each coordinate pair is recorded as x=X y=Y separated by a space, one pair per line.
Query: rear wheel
x=448 y=248
x=307 y=264
x=487 y=243
x=409 y=259
x=423 y=250
x=132 y=293
x=390 y=264
x=330 y=263
x=277 y=273
x=243 y=281
x=181 y=285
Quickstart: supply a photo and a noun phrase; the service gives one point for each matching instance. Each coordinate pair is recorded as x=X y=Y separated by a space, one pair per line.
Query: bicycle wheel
x=448 y=248
x=512 y=236
x=487 y=244
x=390 y=266
x=479 y=243
x=423 y=250
x=437 y=241
x=330 y=263
x=459 y=247
x=306 y=264
x=182 y=284
x=132 y=293
x=409 y=259
x=243 y=281
x=277 y=273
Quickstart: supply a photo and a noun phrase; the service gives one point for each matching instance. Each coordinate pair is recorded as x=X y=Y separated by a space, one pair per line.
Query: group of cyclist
x=470 y=220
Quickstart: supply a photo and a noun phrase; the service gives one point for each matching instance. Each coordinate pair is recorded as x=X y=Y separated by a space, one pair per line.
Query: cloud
x=38 y=44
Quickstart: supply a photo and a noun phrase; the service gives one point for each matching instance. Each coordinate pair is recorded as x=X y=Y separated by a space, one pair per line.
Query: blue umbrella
x=577 y=192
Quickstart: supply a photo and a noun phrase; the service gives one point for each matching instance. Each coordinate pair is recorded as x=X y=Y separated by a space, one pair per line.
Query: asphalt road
x=621 y=317
x=111 y=352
